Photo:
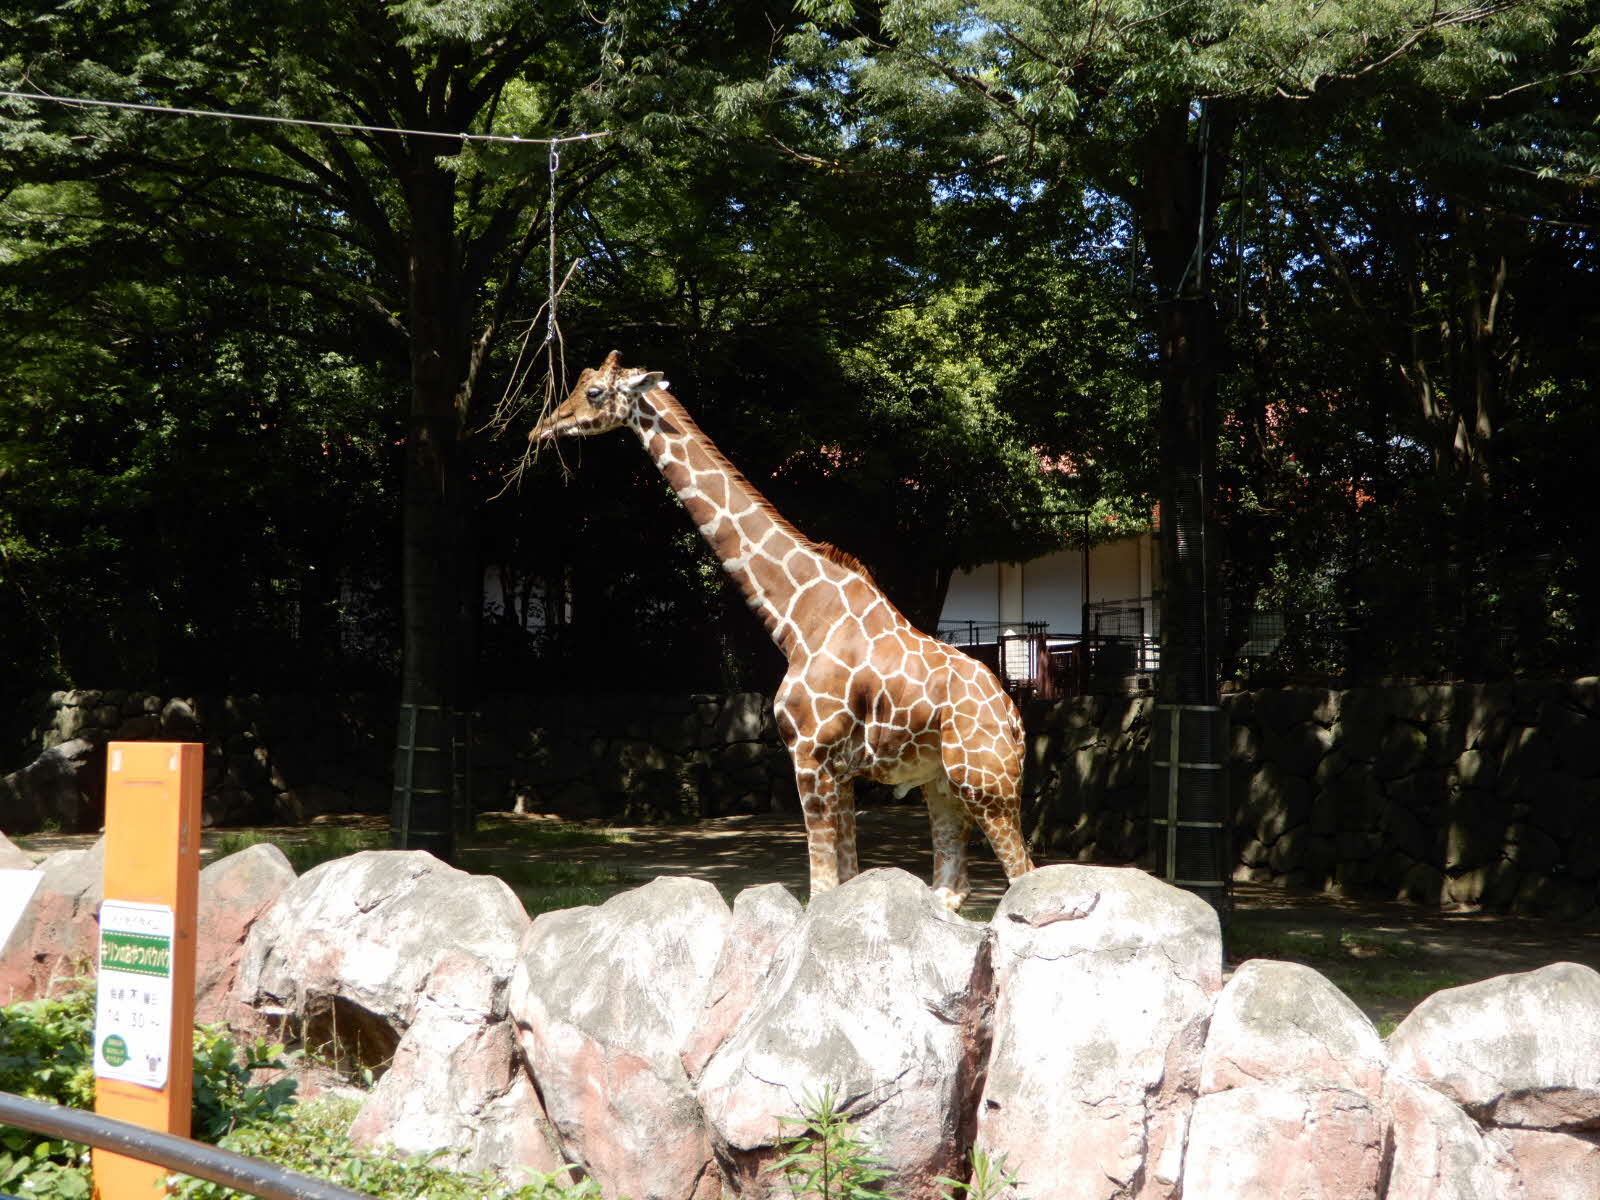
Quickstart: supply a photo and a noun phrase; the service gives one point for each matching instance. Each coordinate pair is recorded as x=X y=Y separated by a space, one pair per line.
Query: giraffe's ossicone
x=866 y=695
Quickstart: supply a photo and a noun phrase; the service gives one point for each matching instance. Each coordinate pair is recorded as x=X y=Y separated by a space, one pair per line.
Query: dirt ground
x=1386 y=955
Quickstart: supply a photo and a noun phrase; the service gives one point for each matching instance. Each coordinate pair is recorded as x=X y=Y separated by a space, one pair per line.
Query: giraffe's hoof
x=952 y=900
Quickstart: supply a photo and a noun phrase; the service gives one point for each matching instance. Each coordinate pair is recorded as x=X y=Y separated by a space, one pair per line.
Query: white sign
x=133 y=1011
x=16 y=889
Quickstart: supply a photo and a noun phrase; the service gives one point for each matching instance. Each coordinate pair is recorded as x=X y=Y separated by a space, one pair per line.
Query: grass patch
x=498 y=848
x=1384 y=973
x=547 y=886
x=1315 y=946
x=511 y=849
x=497 y=830
x=313 y=848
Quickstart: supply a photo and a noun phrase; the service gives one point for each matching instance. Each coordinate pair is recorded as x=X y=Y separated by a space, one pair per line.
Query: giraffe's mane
x=828 y=550
x=843 y=558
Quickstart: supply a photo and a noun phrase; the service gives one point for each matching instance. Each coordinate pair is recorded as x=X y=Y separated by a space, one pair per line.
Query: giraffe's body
x=866 y=694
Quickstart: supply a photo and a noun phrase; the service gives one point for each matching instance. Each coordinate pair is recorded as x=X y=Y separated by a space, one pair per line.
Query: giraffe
x=866 y=694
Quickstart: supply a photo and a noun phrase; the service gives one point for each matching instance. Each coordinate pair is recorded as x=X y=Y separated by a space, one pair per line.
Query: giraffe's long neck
x=771 y=562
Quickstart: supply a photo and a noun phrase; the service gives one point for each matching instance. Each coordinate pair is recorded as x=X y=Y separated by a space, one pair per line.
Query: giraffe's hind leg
x=845 y=841
x=986 y=776
x=948 y=819
x=999 y=815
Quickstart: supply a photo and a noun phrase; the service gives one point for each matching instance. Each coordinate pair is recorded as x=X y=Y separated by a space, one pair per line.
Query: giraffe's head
x=603 y=399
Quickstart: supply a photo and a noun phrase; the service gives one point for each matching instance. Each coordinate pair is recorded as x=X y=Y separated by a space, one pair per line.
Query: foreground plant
x=827 y=1159
x=45 y=1055
x=313 y=1140
x=990 y=1178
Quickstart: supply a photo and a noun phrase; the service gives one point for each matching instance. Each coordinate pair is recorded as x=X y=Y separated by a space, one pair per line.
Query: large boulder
x=13 y=857
x=57 y=938
x=1290 y=1082
x=875 y=1002
x=457 y=1089
x=1517 y=1050
x=1439 y=1153
x=1269 y=1141
x=1554 y=1166
x=46 y=792
x=604 y=999
x=345 y=954
x=1278 y=1020
x=1104 y=980
x=234 y=893
x=764 y=920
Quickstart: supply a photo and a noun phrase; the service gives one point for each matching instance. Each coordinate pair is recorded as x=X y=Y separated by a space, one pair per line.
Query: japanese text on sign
x=133 y=1010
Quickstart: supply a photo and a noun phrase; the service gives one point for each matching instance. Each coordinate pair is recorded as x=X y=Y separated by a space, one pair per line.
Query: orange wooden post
x=144 y=1015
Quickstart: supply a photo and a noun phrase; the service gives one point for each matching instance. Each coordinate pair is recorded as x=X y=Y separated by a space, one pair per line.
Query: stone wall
x=287 y=759
x=269 y=759
x=1086 y=780
x=1475 y=794
x=1463 y=794
x=1457 y=794
x=637 y=758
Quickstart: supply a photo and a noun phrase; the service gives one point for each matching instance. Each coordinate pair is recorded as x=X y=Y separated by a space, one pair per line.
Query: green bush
x=45 y=1054
x=316 y=1143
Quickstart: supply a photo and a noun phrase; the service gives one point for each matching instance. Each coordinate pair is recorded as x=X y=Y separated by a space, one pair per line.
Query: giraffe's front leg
x=819 y=801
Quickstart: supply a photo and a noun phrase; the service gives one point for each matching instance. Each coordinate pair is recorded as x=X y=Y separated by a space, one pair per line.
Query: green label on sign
x=139 y=953
x=114 y=1050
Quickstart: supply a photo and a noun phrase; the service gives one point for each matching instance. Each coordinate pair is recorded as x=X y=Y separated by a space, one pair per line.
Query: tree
x=1438 y=235
x=169 y=455
x=421 y=236
x=1146 y=102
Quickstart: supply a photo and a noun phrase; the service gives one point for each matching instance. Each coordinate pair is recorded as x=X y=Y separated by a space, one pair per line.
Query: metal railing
x=166 y=1150
x=1032 y=662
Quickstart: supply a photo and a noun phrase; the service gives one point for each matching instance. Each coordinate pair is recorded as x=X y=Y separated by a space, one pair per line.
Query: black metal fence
x=1033 y=663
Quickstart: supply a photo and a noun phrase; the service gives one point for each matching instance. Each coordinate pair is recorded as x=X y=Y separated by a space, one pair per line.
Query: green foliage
x=308 y=849
x=826 y=1158
x=896 y=256
x=990 y=1179
x=315 y=1143
x=225 y=1094
x=546 y=886
x=527 y=855
x=1386 y=974
x=45 y=1054
x=45 y=1051
x=499 y=830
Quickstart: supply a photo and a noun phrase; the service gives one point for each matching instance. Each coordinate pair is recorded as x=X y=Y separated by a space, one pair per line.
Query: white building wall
x=1050 y=588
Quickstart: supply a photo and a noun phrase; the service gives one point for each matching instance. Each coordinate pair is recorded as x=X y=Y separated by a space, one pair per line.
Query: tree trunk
x=1179 y=191
x=429 y=801
x=1182 y=178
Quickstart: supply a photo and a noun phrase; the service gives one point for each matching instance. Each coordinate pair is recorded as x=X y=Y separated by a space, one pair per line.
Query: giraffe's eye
x=595 y=392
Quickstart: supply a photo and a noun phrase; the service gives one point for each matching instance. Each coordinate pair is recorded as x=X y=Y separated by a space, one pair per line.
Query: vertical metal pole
x=1083 y=667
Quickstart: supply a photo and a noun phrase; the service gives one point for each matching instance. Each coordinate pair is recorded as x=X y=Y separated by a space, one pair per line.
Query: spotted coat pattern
x=866 y=695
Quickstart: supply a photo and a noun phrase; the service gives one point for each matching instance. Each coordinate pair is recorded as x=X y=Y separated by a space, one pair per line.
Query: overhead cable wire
x=343 y=126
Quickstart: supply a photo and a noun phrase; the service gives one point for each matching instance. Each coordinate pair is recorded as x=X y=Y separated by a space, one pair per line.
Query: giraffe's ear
x=643 y=382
